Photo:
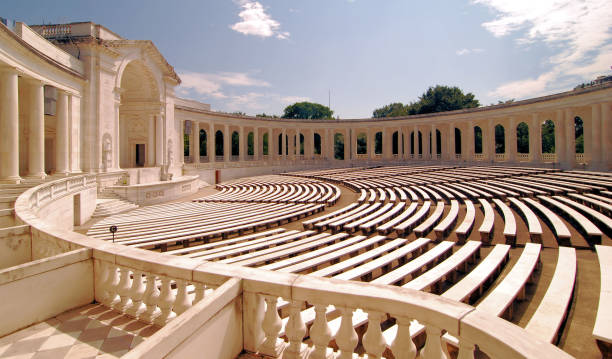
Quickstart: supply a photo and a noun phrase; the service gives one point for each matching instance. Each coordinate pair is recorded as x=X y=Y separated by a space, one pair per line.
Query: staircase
x=109 y=203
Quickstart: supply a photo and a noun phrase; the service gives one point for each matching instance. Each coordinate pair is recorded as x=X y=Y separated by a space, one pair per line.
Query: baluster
x=403 y=347
x=320 y=333
x=346 y=338
x=466 y=349
x=113 y=282
x=433 y=344
x=373 y=340
x=151 y=295
x=271 y=325
x=199 y=292
x=296 y=330
x=102 y=283
x=123 y=289
x=165 y=303
x=182 y=302
x=137 y=294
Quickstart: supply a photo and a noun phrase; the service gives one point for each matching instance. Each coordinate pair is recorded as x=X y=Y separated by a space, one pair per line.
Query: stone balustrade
x=580 y=158
x=479 y=157
x=47 y=192
x=156 y=288
x=549 y=157
x=500 y=157
x=523 y=157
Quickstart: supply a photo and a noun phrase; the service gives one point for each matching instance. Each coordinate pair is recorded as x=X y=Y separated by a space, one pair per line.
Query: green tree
x=435 y=99
x=307 y=110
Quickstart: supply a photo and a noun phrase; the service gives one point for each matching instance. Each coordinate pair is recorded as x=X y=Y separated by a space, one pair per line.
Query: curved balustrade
x=156 y=288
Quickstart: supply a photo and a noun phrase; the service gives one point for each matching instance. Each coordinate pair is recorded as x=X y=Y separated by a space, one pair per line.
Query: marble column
x=570 y=138
x=36 y=129
x=535 y=139
x=606 y=140
x=560 y=135
x=271 y=147
x=150 y=141
x=227 y=144
x=468 y=146
x=195 y=127
x=9 y=126
x=256 y=145
x=347 y=148
x=61 y=134
x=210 y=143
x=596 y=136
x=159 y=140
x=426 y=144
x=241 y=144
x=434 y=144
x=450 y=150
x=510 y=139
x=283 y=143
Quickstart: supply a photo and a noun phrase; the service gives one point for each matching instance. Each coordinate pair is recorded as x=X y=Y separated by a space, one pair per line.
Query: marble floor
x=91 y=331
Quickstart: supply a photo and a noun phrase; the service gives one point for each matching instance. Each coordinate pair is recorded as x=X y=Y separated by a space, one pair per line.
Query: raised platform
x=158 y=191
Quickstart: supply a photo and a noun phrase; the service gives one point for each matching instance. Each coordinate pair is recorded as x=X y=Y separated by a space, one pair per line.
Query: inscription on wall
x=154 y=194
x=186 y=187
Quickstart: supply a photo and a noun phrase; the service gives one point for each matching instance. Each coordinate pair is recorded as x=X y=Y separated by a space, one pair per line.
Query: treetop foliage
x=435 y=99
x=307 y=110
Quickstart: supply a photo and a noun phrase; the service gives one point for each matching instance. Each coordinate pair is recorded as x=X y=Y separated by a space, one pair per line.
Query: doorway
x=140 y=155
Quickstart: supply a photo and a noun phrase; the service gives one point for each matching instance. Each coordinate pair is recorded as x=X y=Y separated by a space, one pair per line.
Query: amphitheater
x=246 y=237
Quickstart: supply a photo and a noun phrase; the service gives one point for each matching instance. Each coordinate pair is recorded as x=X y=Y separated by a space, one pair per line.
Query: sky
x=355 y=55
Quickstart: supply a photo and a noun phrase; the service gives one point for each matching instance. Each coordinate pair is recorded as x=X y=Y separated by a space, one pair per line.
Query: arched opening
x=317 y=144
x=186 y=140
x=522 y=138
x=378 y=143
x=219 y=143
x=137 y=130
x=235 y=143
x=430 y=151
x=500 y=139
x=362 y=144
x=420 y=143
x=265 y=144
x=548 y=137
x=339 y=146
x=301 y=144
x=250 y=144
x=477 y=139
x=203 y=144
x=280 y=144
x=457 y=141
x=438 y=142
x=579 y=134
x=395 y=143
x=412 y=143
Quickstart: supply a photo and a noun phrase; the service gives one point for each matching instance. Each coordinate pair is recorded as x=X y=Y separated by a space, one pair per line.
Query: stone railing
x=438 y=156
x=580 y=158
x=458 y=156
x=188 y=159
x=155 y=288
x=56 y=30
x=500 y=157
x=549 y=157
x=378 y=156
x=419 y=156
x=219 y=158
x=203 y=158
x=41 y=195
x=362 y=156
x=523 y=157
x=479 y=157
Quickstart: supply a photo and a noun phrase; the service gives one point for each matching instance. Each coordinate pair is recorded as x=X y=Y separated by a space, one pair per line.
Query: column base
x=37 y=176
x=11 y=180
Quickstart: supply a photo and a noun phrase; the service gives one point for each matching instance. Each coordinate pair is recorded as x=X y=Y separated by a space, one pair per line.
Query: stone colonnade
x=469 y=139
x=23 y=97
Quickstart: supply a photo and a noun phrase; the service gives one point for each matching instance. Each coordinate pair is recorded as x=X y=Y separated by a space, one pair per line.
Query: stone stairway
x=110 y=203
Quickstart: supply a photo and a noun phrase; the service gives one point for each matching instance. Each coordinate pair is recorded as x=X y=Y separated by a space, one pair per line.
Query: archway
x=548 y=137
x=395 y=143
x=317 y=144
x=522 y=138
x=250 y=144
x=477 y=139
x=219 y=144
x=301 y=144
x=265 y=144
x=412 y=143
x=500 y=139
x=420 y=143
x=235 y=144
x=203 y=144
x=339 y=146
x=378 y=143
x=362 y=143
x=457 y=141
x=280 y=144
x=140 y=96
x=438 y=142
x=579 y=134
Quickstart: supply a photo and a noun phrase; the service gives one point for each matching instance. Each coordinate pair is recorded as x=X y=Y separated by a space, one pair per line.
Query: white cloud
x=465 y=51
x=210 y=85
x=256 y=22
x=579 y=31
x=293 y=99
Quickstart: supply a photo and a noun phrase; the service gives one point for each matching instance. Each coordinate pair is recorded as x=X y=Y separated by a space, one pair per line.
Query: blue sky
x=260 y=56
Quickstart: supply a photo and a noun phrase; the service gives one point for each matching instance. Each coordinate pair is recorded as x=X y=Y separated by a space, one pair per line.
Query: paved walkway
x=92 y=331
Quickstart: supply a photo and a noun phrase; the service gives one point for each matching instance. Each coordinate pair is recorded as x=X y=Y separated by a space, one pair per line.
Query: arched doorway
x=140 y=100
